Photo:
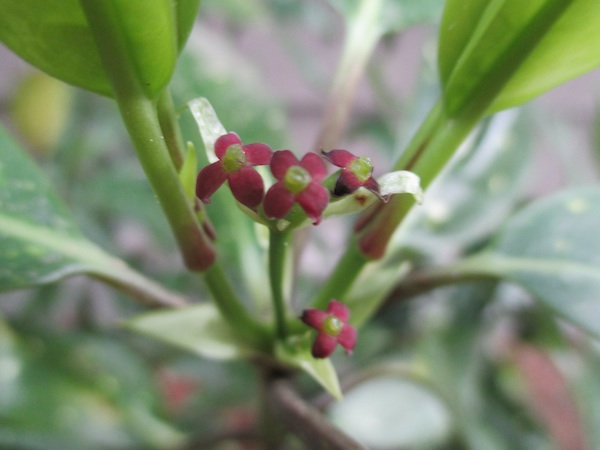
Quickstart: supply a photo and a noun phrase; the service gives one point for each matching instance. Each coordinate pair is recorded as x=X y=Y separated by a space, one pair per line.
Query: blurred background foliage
x=478 y=366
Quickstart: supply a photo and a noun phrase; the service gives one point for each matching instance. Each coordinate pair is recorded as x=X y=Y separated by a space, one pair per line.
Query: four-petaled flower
x=297 y=181
x=235 y=166
x=332 y=329
x=356 y=172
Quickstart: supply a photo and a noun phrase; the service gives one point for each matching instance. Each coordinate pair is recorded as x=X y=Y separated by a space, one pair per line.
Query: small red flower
x=356 y=172
x=235 y=166
x=332 y=327
x=297 y=181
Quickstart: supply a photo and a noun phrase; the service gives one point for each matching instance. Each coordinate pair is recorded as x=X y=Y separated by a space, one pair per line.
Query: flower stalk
x=279 y=242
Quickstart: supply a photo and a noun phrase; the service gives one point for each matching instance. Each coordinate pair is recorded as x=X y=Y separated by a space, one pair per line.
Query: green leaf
x=550 y=249
x=39 y=241
x=185 y=14
x=199 y=329
x=137 y=42
x=77 y=391
x=54 y=36
x=568 y=50
x=297 y=354
x=497 y=54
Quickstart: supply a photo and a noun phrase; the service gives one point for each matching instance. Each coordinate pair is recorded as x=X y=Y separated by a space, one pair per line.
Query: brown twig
x=305 y=421
x=205 y=443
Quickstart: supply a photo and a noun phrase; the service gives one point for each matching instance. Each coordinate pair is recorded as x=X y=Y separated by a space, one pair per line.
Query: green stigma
x=332 y=326
x=362 y=168
x=296 y=179
x=234 y=158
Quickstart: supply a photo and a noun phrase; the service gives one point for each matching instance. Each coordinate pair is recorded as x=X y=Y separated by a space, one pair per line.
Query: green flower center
x=296 y=179
x=332 y=326
x=362 y=168
x=234 y=158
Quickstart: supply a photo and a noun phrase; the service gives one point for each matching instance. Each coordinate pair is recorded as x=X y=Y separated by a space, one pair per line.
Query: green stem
x=139 y=113
x=355 y=258
x=242 y=323
x=279 y=242
x=167 y=118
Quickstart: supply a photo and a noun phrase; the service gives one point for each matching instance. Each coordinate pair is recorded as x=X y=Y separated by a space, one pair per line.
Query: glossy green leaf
x=297 y=354
x=137 y=42
x=497 y=54
x=568 y=50
x=550 y=249
x=199 y=329
x=186 y=12
x=39 y=242
x=54 y=36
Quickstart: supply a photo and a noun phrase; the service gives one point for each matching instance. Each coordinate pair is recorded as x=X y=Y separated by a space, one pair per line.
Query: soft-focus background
x=71 y=377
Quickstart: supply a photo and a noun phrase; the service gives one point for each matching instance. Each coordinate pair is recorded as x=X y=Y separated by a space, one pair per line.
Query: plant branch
x=305 y=421
x=146 y=291
x=206 y=442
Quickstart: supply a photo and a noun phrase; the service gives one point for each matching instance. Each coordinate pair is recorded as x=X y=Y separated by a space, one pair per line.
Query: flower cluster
x=298 y=181
x=332 y=328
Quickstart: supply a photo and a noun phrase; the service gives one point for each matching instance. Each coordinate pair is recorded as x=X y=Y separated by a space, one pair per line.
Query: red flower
x=356 y=172
x=332 y=327
x=234 y=165
x=298 y=181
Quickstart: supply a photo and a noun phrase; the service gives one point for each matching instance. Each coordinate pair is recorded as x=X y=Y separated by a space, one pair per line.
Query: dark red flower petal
x=347 y=337
x=313 y=200
x=223 y=143
x=339 y=310
x=346 y=184
x=314 y=318
x=315 y=166
x=278 y=201
x=209 y=180
x=340 y=158
x=258 y=154
x=324 y=345
x=247 y=187
x=281 y=161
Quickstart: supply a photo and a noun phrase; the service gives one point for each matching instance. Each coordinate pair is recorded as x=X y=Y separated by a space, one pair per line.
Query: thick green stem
x=431 y=148
x=431 y=151
x=279 y=242
x=242 y=323
x=355 y=258
x=140 y=116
